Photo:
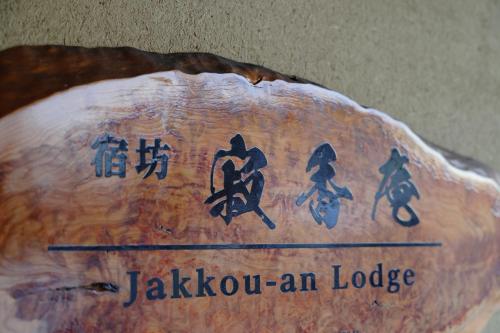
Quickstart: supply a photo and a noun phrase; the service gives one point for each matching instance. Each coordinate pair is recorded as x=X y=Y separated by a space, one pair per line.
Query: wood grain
x=53 y=68
x=50 y=195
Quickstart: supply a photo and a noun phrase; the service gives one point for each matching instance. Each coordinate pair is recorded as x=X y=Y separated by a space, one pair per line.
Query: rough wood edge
x=54 y=68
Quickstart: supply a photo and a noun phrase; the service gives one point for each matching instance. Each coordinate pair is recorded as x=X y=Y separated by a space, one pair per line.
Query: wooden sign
x=189 y=193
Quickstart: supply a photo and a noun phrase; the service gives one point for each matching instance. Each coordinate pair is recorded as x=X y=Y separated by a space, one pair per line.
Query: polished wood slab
x=51 y=198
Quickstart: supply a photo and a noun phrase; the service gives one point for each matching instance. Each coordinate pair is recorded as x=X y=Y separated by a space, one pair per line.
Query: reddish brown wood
x=49 y=195
x=48 y=69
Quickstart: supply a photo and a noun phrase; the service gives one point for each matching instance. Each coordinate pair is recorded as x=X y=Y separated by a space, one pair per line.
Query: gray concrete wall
x=433 y=64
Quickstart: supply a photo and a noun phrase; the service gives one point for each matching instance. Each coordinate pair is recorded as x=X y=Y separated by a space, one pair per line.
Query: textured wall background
x=432 y=64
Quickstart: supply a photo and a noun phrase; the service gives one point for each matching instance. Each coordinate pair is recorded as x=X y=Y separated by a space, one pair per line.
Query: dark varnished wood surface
x=55 y=68
x=50 y=195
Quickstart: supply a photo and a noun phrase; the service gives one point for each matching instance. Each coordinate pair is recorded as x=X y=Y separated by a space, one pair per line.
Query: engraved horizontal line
x=230 y=246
